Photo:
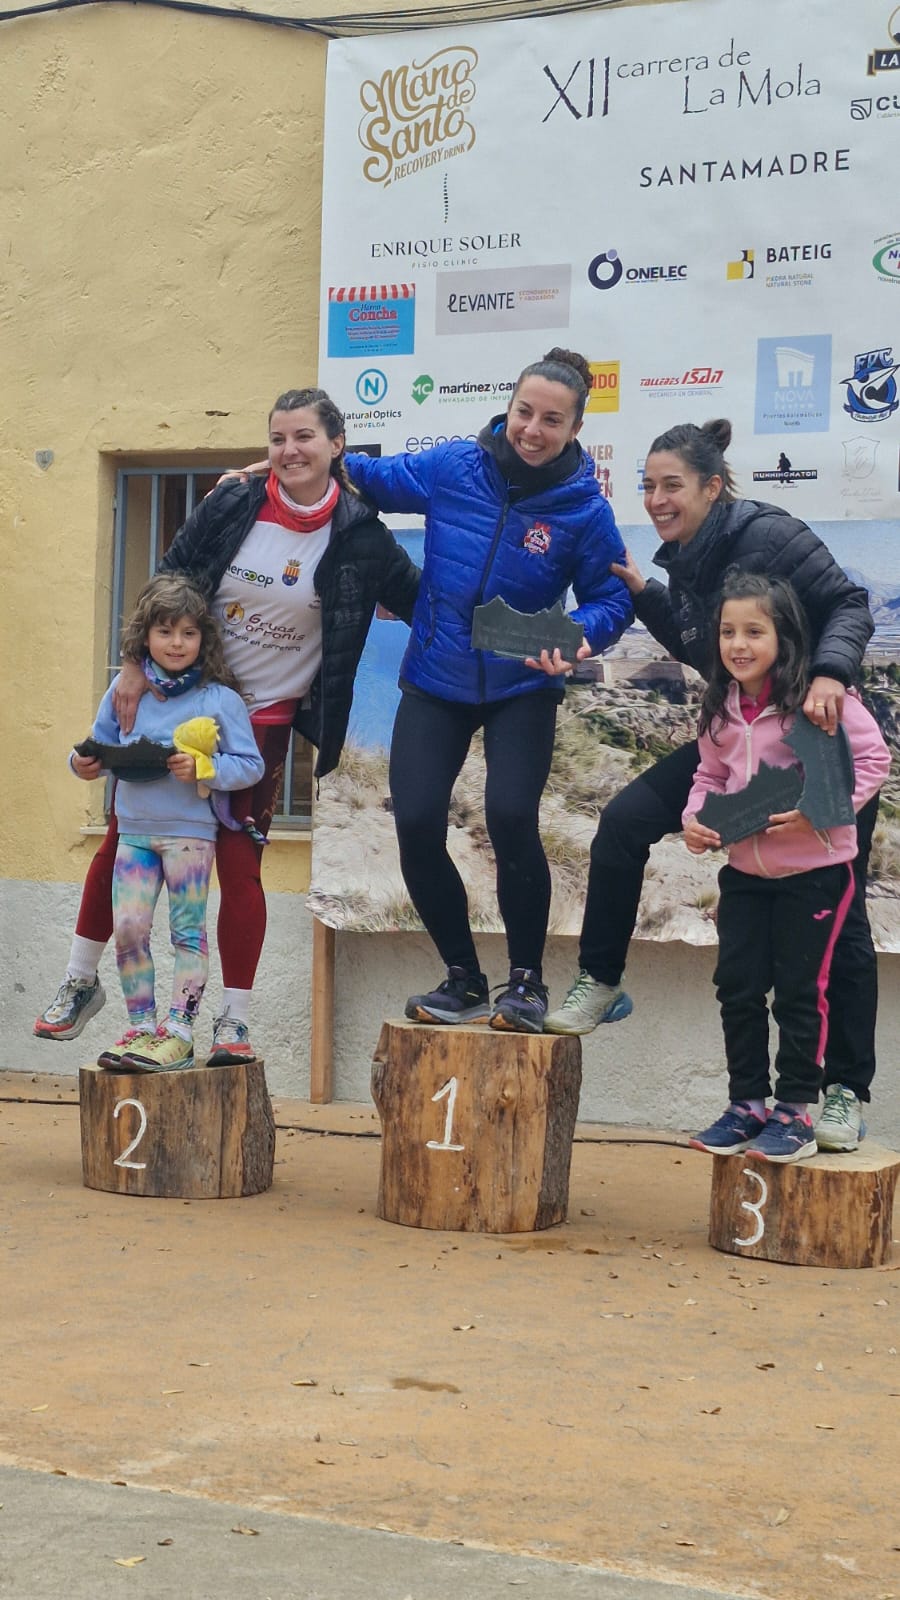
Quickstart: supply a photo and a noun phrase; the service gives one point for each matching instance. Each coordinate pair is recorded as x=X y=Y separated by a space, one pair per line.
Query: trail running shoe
x=521 y=1007
x=841 y=1125
x=163 y=1052
x=735 y=1129
x=111 y=1057
x=231 y=1043
x=785 y=1137
x=77 y=1000
x=462 y=997
x=587 y=1004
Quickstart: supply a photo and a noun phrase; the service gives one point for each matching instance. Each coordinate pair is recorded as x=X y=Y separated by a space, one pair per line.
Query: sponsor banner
x=696 y=196
x=372 y=320
x=604 y=395
x=503 y=300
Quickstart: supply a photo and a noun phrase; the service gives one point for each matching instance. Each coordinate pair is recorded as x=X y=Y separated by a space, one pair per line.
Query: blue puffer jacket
x=482 y=540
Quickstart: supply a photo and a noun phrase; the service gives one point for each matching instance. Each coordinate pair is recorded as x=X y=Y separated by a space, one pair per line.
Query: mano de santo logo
x=417 y=115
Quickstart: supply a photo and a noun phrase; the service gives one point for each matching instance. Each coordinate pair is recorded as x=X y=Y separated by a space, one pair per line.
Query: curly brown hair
x=167 y=598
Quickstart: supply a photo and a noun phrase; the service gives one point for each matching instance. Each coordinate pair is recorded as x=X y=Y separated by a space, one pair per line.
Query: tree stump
x=830 y=1211
x=204 y=1134
x=477 y=1127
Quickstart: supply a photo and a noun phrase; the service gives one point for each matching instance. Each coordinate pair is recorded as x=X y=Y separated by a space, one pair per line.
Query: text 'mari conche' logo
x=416 y=115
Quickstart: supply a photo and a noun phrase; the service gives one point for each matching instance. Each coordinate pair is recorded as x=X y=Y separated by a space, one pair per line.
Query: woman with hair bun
x=518 y=514
x=292 y=564
x=705 y=528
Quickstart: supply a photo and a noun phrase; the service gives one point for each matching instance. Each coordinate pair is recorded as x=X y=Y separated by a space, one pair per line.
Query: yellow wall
x=160 y=227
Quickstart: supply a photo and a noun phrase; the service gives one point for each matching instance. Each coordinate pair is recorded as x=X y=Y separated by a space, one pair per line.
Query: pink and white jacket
x=728 y=765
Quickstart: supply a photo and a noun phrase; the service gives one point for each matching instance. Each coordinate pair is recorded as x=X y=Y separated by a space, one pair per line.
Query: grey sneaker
x=841 y=1125
x=77 y=1000
x=231 y=1043
x=587 y=1004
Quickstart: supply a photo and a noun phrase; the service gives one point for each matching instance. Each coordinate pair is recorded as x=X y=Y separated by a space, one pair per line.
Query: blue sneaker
x=522 y=1004
x=735 y=1130
x=462 y=997
x=785 y=1137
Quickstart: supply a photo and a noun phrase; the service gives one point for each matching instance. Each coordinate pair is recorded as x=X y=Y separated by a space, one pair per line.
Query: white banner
x=703 y=199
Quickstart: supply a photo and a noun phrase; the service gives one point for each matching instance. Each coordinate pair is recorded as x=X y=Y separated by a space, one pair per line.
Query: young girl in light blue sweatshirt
x=167 y=824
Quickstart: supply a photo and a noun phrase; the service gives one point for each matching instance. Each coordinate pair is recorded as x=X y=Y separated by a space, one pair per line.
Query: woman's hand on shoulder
x=630 y=573
x=824 y=703
x=256 y=469
x=554 y=665
x=127 y=694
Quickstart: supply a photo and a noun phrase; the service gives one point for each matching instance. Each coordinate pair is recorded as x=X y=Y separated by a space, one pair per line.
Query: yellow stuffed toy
x=199 y=737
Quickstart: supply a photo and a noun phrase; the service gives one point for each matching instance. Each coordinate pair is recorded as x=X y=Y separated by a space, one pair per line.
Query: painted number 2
x=122 y=1160
x=755 y=1209
x=449 y=1092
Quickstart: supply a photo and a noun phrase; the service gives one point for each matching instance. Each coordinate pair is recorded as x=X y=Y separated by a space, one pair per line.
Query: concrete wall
x=663 y=1067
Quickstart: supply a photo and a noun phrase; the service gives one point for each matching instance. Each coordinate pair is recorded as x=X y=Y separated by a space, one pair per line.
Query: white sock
x=84 y=958
x=236 y=1004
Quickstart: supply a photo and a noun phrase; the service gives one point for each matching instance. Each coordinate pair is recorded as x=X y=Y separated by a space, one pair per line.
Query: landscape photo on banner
x=703 y=213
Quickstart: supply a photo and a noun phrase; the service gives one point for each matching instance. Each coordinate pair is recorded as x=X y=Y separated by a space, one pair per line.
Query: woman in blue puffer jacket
x=517 y=513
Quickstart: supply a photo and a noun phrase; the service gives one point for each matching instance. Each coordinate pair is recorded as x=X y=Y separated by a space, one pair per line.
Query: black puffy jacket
x=763 y=539
x=362 y=565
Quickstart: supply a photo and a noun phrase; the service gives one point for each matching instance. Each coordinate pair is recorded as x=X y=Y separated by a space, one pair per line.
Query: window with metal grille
x=151 y=505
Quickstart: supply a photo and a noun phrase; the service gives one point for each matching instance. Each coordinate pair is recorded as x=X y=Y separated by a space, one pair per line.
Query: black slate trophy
x=516 y=634
x=823 y=792
x=142 y=761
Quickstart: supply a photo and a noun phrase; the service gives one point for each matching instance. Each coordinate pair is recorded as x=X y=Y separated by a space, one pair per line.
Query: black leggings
x=430 y=743
x=642 y=814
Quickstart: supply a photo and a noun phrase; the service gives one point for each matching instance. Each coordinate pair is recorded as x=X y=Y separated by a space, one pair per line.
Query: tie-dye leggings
x=143 y=864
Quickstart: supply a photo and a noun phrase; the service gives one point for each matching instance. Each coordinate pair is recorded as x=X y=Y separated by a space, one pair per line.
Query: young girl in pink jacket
x=785 y=891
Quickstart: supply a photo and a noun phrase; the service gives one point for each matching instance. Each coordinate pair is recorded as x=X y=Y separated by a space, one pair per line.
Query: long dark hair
x=166 y=598
x=562 y=366
x=703 y=450
x=790 y=671
x=332 y=419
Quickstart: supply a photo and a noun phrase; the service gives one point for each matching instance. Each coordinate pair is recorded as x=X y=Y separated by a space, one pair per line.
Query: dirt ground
x=611 y=1391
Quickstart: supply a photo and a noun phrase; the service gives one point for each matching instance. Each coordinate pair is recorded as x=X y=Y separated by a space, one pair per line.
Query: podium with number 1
x=477 y=1127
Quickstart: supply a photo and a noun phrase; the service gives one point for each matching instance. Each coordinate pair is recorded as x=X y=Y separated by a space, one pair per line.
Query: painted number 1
x=448 y=1091
x=122 y=1160
x=756 y=1210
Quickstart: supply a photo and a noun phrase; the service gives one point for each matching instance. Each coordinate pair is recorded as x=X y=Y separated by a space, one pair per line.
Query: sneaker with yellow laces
x=164 y=1052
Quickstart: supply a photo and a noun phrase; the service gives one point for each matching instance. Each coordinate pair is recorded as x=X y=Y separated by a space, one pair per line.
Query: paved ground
x=90 y=1541
x=606 y=1409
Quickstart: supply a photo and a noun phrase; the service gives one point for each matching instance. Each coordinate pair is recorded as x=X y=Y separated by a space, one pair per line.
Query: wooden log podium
x=204 y=1134
x=476 y=1125
x=829 y=1211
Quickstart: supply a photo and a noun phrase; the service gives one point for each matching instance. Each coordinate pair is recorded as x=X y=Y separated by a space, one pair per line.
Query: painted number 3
x=755 y=1208
x=122 y=1160
x=449 y=1092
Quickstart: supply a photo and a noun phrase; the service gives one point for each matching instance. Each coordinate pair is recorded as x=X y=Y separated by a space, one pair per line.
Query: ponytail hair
x=566 y=367
x=332 y=419
x=703 y=450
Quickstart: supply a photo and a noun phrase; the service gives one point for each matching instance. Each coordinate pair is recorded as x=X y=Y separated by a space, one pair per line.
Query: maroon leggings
x=242 y=908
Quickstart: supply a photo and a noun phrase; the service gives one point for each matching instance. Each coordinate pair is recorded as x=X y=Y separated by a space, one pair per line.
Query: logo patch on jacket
x=291 y=573
x=537 y=539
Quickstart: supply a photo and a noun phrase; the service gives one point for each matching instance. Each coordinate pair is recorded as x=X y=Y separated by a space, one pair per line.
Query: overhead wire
x=350 y=24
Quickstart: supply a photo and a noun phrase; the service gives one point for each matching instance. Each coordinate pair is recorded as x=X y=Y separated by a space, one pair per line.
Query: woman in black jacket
x=293 y=566
x=689 y=494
